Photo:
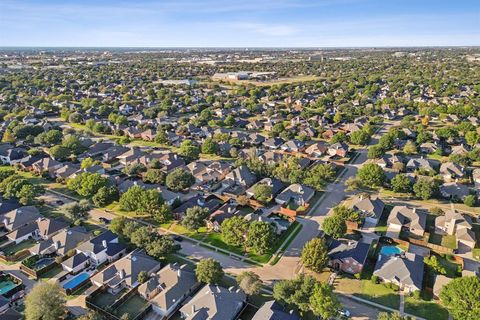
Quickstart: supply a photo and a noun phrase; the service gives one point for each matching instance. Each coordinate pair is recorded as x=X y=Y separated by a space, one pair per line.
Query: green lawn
x=449 y=241
x=11 y=250
x=133 y=306
x=425 y=309
x=450 y=266
x=365 y=289
x=105 y=299
x=52 y=273
x=476 y=253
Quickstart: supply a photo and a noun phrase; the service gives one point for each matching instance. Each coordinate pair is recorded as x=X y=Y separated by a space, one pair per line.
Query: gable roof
x=406 y=270
x=168 y=285
x=339 y=250
x=126 y=269
x=272 y=310
x=214 y=303
x=20 y=216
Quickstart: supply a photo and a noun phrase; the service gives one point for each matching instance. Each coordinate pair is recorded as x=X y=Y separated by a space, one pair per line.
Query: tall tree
x=46 y=301
x=314 y=254
x=461 y=297
x=209 y=271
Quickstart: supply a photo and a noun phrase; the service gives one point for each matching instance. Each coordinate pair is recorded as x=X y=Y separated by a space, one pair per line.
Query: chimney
x=57 y=245
x=104 y=243
x=121 y=274
x=361 y=197
x=193 y=309
x=230 y=289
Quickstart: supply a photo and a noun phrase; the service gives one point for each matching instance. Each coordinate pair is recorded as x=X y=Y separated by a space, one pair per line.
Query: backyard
x=13 y=249
x=133 y=306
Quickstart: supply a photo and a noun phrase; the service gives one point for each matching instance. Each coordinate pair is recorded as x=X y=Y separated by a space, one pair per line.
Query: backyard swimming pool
x=43 y=263
x=6 y=286
x=390 y=250
x=75 y=281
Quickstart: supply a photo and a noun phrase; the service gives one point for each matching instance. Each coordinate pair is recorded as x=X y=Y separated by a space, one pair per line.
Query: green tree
x=209 y=146
x=129 y=200
x=391 y=316
x=234 y=230
x=179 y=179
x=359 y=137
x=195 y=218
x=117 y=224
x=59 y=153
x=262 y=192
x=323 y=301
x=470 y=200
x=401 y=183
x=209 y=271
x=73 y=143
x=424 y=188
x=88 y=162
x=410 y=147
x=105 y=196
x=371 y=175
x=87 y=184
x=76 y=210
x=334 y=226
x=318 y=176
x=295 y=292
x=46 y=301
x=249 y=282
x=434 y=264
x=188 y=150
x=314 y=254
x=260 y=236
x=154 y=176
x=460 y=296
x=375 y=152
x=28 y=194
x=472 y=138
x=142 y=276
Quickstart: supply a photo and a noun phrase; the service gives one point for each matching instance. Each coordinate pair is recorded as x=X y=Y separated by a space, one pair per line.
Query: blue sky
x=239 y=23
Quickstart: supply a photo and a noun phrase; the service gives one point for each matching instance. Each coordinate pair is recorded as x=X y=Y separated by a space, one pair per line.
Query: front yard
x=426 y=309
x=366 y=289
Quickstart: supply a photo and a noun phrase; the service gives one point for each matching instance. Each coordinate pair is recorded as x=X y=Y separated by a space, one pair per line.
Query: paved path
x=402 y=303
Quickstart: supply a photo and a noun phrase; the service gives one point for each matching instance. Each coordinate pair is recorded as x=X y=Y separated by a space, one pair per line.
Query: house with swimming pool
x=405 y=270
x=124 y=272
x=62 y=242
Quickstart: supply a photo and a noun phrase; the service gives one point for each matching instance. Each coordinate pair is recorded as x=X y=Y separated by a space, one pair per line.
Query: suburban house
x=124 y=272
x=241 y=176
x=274 y=183
x=272 y=310
x=317 y=149
x=167 y=288
x=451 y=171
x=102 y=248
x=402 y=218
x=46 y=165
x=214 y=302
x=454 y=190
x=297 y=194
x=62 y=242
x=76 y=263
x=371 y=208
x=419 y=163
x=338 y=149
x=20 y=217
x=440 y=282
x=405 y=271
x=227 y=210
x=456 y=224
x=47 y=228
x=211 y=203
x=348 y=256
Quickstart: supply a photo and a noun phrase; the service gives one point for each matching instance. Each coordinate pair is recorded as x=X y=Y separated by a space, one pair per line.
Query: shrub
x=374 y=279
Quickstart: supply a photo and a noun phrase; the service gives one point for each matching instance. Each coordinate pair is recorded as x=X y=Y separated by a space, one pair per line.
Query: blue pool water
x=390 y=250
x=75 y=281
x=43 y=263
